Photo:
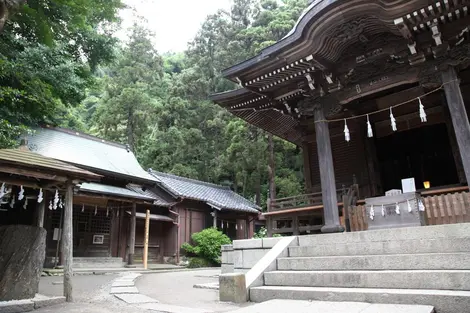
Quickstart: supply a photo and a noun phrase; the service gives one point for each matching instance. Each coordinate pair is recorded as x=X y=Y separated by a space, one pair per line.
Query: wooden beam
x=31 y=173
x=444 y=190
x=146 y=238
x=67 y=243
x=459 y=116
x=327 y=173
x=130 y=260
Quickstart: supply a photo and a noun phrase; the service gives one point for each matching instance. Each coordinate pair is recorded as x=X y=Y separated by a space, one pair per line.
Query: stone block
x=248 y=244
x=227 y=268
x=227 y=257
x=270 y=242
x=135 y=298
x=232 y=288
x=252 y=256
x=40 y=302
x=238 y=259
x=226 y=248
x=115 y=290
x=16 y=306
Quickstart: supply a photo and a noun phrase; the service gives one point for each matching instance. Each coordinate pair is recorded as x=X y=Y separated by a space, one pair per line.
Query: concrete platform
x=332 y=307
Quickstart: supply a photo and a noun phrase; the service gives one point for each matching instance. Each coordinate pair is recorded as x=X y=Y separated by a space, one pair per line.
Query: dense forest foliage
x=61 y=65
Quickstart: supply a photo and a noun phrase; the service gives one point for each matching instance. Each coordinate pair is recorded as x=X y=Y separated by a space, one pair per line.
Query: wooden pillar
x=269 y=226
x=459 y=116
x=295 y=225
x=41 y=207
x=453 y=141
x=130 y=260
x=146 y=239
x=307 y=170
x=214 y=220
x=67 y=243
x=327 y=174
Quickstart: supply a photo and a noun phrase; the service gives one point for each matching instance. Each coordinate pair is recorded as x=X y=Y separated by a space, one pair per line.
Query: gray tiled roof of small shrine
x=89 y=151
x=217 y=196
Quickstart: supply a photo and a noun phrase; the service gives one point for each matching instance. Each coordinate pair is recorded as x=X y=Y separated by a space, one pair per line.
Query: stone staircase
x=422 y=265
x=98 y=262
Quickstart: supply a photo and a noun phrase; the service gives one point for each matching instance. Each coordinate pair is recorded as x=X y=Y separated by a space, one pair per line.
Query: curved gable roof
x=88 y=151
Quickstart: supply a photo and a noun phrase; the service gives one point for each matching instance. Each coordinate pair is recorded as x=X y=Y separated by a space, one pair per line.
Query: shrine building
x=374 y=92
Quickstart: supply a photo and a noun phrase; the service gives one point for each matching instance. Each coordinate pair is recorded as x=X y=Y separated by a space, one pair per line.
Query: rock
x=22 y=255
x=232 y=288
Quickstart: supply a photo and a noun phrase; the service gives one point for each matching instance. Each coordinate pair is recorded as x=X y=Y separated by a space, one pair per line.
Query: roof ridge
x=200 y=182
x=84 y=135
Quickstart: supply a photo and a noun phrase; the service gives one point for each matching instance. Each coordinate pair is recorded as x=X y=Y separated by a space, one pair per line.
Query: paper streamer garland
x=422 y=113
x=21 y=193
x=2 y=190
x=40 y=196
x=393 y=121
x=419 y=202
x=370 y=133
x=347 y=135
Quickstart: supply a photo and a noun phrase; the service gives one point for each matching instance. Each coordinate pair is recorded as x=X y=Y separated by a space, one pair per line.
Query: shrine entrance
x=423 y=153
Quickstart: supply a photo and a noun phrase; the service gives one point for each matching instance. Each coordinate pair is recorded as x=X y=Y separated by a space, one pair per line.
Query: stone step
x=444 y=301
x=396 y=234
x=412 y=279
x=298 y=306
x=428 y=261
x=424 y=245
x=96 y=262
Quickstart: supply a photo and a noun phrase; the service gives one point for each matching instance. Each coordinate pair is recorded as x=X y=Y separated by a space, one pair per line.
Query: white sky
x=174 y=22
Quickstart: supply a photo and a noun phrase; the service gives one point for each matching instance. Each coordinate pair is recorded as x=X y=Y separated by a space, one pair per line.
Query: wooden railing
x=300 y=201
x=442 y=206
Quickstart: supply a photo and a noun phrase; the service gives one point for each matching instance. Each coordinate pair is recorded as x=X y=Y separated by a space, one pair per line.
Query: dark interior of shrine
x=423 y=153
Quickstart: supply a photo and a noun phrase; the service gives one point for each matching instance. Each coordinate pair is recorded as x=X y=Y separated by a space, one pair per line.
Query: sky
x=174 y=22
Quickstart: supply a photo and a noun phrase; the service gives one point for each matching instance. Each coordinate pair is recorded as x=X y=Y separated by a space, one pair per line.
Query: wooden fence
x=446 y=206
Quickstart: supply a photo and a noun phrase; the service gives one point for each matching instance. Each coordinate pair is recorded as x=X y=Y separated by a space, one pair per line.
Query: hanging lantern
x=347 y=135
x=40 y=196
x=393 y=121
x=422 y=113
x=21 y=193
x=2 y=190
x=383 y=210
x=409 y=206
x=25 y=205
x=397 y=208
x=371 y=213
x=370 y=133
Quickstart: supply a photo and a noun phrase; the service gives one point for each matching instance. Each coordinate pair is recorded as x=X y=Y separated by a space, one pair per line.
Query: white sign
x=408 y=185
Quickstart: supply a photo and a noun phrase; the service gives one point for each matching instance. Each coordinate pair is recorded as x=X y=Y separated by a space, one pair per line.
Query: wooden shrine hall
x=374 y=92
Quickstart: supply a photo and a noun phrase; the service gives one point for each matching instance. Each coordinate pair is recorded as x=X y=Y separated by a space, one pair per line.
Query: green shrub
x=207 y=245
x=263 y=233
x=197 y=262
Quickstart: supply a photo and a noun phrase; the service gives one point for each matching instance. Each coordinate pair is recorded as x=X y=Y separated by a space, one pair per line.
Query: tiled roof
x=153 y=217
x=92 y=152
x=158 y=199
x=39 y=162
x=113 y=191
x=219 y=197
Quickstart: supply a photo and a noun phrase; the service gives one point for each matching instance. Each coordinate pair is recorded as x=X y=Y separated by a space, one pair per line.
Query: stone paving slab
x=123 y=283
x=331 y=307
x=135 y=298
x=41 y=301
x=16 y=306
x=212 y=286
x=166 y=308
x=115 y=290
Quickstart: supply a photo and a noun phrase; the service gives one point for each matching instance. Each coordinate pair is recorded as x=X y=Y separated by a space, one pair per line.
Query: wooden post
x=327 y=174
x=214 y=221
x=307 y=170
x=41 y=207
x=459 y=116
x=130 y=260
x=67 y=243
x=295 y=225
x=146 y=239
x=269 y=226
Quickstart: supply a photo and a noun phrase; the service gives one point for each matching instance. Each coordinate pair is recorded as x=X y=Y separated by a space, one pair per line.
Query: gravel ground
x=177 y=289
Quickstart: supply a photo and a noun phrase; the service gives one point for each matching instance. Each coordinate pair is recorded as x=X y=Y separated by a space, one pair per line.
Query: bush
x=263 y=233
x=199 y=262
x=207 y=245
